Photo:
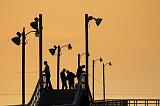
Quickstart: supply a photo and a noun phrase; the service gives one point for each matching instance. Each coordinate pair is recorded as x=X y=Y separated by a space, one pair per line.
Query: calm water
x=12 y=99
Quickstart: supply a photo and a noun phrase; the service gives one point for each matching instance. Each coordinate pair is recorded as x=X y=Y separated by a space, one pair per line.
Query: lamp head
x=34 y=24
x=17 y=39
x=100 y=59
x=69 y=47
x=98 y=21
x=110 y=63
x=52 y=51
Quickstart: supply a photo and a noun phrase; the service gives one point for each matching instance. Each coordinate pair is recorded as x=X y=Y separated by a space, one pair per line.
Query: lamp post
x=98 y=21
x=79 y=58
x=23 y=66
x=93 y=65
x=104 y=64
x=17 y=41
x=37 y=25
x=52 y=51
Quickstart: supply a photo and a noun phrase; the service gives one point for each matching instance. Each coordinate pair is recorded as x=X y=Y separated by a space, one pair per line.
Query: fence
x=127 y=102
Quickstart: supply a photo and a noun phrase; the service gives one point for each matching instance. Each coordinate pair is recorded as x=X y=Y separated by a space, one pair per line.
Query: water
x=12 y=99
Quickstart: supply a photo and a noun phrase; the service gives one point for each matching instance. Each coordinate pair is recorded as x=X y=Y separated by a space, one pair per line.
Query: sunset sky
x=129 y=37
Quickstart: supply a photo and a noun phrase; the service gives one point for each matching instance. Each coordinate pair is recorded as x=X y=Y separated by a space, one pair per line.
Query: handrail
x=37 y=93
x=90 y=98
x=79 y=88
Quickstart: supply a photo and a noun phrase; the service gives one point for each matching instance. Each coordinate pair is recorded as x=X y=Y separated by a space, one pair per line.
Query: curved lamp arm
x=63 y=46
x=109 y=63
x=100 y=59
x=69 y=46
x=84 y=54
x=29 y=32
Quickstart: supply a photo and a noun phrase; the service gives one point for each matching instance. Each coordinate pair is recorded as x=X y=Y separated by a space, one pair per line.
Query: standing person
x=70 y=78
x=80 y=71
x=63 y=79
x=47 y=73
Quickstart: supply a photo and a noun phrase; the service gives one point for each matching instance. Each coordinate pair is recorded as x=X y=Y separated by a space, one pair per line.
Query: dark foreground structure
x=77 y=97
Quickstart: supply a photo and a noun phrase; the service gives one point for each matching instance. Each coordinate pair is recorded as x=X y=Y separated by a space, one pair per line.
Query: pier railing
x=127 y=102
x=37 y=92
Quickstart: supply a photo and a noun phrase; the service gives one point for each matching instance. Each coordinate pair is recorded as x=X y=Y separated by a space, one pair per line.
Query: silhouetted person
x=47 y=74
x=70 y=78
x=80 y=71
x=63 y=79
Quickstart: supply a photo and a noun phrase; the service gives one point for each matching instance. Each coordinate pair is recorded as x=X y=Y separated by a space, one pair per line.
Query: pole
x=86 y=38
x=79 y=57
x=93 y=62
x=23 y=67
x=40 y=45
x=58 y=65
x=103 y=82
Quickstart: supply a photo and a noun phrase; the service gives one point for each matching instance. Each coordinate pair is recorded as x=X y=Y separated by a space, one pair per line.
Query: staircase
x=56 y=97
x=50 y=97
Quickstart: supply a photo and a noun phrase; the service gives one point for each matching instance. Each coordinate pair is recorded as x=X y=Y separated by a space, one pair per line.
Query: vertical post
x=93 y=62
x=79 y=60
x=103 y=82
x=58 y=66
x=40 y=45
x=86 y=41
x=23 y=67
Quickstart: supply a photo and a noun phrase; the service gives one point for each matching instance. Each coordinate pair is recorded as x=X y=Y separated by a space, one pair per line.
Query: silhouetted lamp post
x=37 y=25
x=52 y=51
x=98 y=21
x=79 y=58
x=104 y=64
x=93 y=65
x=17 y=41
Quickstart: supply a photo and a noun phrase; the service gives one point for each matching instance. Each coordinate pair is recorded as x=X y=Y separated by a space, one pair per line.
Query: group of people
x=64 y=78
x=70 y=77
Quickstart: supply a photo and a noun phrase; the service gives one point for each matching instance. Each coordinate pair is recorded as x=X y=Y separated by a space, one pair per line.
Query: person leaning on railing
x=80 y=71
x=47 y=74
x=70 y=77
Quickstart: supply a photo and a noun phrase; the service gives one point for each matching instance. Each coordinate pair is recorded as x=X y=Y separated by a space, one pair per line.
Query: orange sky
x=128 y=36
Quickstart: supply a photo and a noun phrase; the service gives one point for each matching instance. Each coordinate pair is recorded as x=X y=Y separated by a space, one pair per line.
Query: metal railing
x=37 y=92
x=78 y=92
x=127 y=102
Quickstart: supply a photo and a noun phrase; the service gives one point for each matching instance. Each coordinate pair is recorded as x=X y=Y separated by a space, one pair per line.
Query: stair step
x=56 y=97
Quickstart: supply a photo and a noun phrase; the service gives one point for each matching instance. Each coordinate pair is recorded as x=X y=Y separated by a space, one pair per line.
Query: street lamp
x=37 y=25
x=79 y=58
x=52 y=51
x=17 y=41
x=98 y=21
x=104 y=64
x=93 y=65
